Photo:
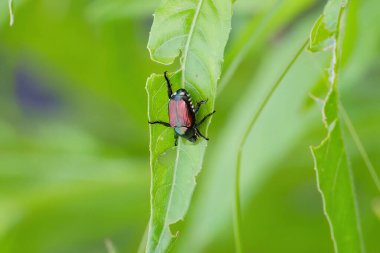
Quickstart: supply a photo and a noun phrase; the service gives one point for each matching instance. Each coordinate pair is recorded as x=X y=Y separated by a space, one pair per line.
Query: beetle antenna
x=170 y=92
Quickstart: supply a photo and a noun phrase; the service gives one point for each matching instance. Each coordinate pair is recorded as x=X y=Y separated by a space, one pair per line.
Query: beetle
x=182 y=114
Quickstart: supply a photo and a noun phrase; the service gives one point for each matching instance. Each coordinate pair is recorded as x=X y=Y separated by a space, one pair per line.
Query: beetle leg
x=199 y=105
x=170 y=92
x=200 y=134
x=205 y=117
x=175 y=139
x=159 y=122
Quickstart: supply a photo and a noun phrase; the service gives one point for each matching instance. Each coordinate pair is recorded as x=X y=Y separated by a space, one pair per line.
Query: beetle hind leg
x=160 y=123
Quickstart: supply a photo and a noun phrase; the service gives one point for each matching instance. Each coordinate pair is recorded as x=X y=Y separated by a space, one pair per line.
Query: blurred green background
x=74 y=160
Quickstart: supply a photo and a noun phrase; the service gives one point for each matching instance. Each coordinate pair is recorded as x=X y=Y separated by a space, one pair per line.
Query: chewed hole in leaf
x=320 y=37
x=176 y=227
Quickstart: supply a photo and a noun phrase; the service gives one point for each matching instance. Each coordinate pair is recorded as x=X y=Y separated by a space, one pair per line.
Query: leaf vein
x=189 y=38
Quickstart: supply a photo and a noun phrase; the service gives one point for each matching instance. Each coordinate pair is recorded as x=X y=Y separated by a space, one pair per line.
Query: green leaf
x=334 y=177
x=173 y=170
x=198 y=30
x=264 y=154
x=334 y=180
x=320 y=36
x=324 y=29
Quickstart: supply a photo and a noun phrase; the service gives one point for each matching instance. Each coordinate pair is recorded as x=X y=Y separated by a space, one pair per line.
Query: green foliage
x=320 y=37
x=199 y=30
x=74 y=162
x=173 y=171
x=325 y=28
x=335 y=181
x=254 y=118
x=335 y=184
x=262 y=156
x=334 y=176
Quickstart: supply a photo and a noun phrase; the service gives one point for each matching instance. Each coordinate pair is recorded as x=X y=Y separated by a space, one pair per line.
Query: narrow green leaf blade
x=334 y=177
x=198 y=30
x=324 y=29
x=335 y=185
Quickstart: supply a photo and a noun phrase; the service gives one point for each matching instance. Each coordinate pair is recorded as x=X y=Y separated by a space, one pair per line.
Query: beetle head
x=193 y=138
x=191 y=135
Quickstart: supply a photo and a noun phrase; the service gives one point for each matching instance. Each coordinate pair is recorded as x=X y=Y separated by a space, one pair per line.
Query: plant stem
x=360 y=146
x=109 y=246
x=11 y=17
x=237 y=209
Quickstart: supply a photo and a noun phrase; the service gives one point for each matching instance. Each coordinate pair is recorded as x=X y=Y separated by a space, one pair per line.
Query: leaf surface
x=198 y=31
x=335 y=183
x=334 y=176
x=323 y=33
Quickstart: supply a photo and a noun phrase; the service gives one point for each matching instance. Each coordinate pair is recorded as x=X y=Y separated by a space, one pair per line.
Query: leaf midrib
x=170 y=196
x=183 y=68
x=189 y=38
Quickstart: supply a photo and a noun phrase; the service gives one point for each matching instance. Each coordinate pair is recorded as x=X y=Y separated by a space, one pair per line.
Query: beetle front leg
x=170 y=92
x=159 y=122
x=200 y=134
x=199 y=105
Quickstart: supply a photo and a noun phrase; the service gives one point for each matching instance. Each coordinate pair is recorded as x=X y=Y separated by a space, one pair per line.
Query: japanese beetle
x=182 y=114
